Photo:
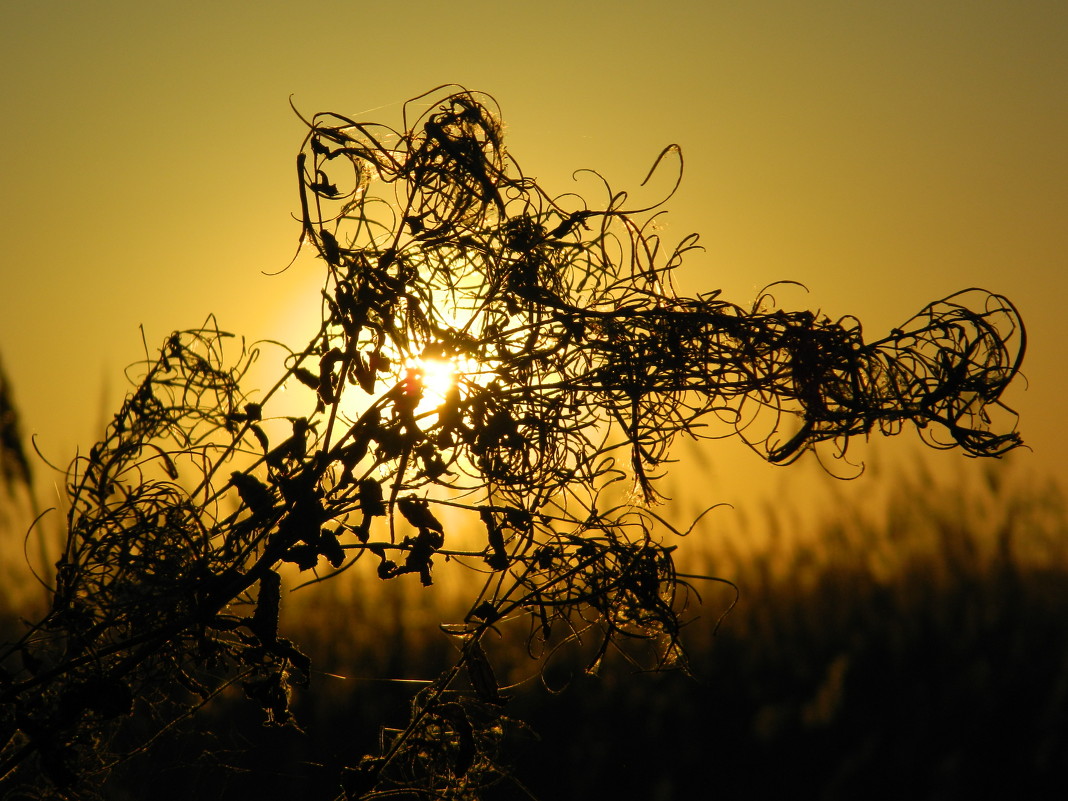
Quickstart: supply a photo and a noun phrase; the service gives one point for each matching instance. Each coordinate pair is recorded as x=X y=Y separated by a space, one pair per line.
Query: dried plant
x=572 y=365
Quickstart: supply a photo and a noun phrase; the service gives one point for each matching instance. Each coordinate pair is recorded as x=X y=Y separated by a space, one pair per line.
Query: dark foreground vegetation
x=355 y=588
x=918 y=649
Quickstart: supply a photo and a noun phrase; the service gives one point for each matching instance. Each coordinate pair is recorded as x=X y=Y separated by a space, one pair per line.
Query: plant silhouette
x=576 y=366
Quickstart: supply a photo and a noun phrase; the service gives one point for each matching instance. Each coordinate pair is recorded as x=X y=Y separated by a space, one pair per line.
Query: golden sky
x=885 y=154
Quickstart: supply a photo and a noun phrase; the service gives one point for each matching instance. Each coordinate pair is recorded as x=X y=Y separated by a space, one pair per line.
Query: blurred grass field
x=915 y=647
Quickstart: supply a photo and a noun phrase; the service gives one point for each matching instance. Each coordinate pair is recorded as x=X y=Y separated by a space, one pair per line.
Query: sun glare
x=436 y=377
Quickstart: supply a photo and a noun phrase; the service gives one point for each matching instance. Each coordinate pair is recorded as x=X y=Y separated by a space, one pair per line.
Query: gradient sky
x=885 y=154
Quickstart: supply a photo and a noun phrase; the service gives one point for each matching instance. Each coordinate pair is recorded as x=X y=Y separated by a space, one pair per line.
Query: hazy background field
x=912 y=647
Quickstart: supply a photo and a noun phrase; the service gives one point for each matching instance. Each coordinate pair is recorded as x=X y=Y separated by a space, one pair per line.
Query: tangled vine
x=573 y=366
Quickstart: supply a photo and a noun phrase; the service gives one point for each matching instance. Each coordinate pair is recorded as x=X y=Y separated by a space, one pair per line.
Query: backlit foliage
x=577 y=366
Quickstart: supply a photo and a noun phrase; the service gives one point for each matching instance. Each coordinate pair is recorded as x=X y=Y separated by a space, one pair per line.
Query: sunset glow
x=882 y=155
x=435 y=377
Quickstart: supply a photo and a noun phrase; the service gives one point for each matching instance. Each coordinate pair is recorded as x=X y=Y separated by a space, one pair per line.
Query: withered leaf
x=486 y=611
x=456 y=717
x=570 y=223
x=331 y=548
x=417 y=512
x=370 y=494
x=306 y=377
x=330 y=358
x=480 y=672
x=331 y=250
x=517 y=518
x=420 y=557
x=498 y=559
x=253 y=492
x=304 y=556
x=364 y=375
x=387 y=568
x=322 y=186
x=261 y=437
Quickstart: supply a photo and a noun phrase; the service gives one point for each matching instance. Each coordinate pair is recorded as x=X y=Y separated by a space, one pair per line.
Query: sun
x=439 y=379
x=435 y=377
